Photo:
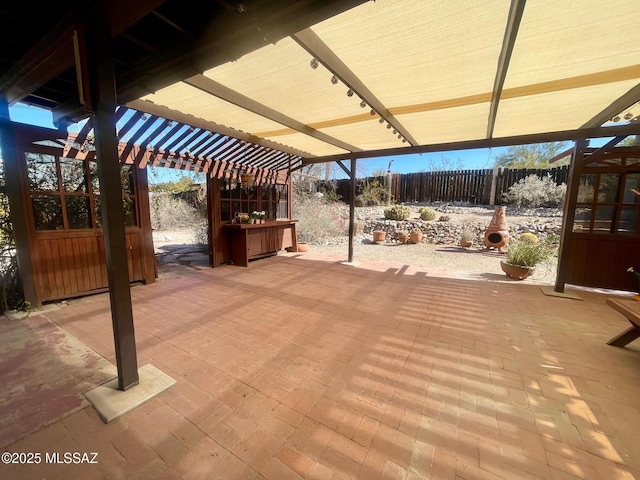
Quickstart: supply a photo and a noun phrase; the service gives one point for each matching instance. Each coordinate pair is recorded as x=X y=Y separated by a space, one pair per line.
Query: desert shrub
x=534 y=191
x=317 y=219
x=372 y=193
x=397 y=212
x=427 y=213
x=444 y=218
x=169 y=212
x=329 y=190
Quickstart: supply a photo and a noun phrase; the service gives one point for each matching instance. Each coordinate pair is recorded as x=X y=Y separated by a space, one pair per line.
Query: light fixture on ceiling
x=363 y=104
x=314 y=63
x=372 y=112
x=349 y=93
x=334 y=80
x=628 y=116
x=381 y=120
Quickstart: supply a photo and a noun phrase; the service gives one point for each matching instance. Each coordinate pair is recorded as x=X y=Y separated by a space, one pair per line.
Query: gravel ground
x=475 y=262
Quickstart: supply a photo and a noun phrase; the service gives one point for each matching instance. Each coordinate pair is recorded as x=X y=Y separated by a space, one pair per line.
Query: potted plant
x=379 y=236
x=258 y=217
x=466 y=238
x=416 y=235
x=403 y=236
x=523 y=255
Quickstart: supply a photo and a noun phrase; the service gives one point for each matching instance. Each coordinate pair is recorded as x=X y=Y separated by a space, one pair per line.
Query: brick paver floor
x=303 y=367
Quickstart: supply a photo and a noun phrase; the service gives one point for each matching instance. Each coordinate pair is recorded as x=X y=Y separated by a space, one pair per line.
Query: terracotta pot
x=379 y=235
x=466 y=243
x=516 y=271
x=303 y=247
x=403 y=238
x=416 y=237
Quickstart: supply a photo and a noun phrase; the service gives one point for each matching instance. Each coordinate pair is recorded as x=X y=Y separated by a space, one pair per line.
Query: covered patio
x=304 y=366
x=402 y=372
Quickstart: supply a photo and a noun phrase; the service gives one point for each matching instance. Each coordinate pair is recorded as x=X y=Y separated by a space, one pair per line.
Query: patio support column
x=14 y=190
x=103 y=100
x=569 y=214
x=352 y=207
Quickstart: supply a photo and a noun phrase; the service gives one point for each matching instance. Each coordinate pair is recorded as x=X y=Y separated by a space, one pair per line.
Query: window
x=234 y=198
x=609 y=203
x=65 y=192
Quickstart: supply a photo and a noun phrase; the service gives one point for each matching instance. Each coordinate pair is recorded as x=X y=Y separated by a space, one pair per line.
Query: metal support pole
x=103 y=93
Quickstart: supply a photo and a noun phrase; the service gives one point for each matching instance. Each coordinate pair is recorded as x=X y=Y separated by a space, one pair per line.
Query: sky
x=465 y=159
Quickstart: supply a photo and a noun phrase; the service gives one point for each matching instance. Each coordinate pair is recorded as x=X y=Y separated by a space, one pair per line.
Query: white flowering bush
x=533 y=192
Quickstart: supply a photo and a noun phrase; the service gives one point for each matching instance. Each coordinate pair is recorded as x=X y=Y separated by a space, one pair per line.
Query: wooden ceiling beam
x=319 y=50
x=161 y=111
x=565 y=135
x=510 y=35
x=218 y=90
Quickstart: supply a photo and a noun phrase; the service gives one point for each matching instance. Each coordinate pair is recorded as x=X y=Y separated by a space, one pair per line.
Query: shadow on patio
x=302 y=367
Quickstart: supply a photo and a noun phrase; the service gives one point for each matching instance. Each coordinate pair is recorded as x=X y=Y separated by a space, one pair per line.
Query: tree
x=444 y=164
x=532 y=156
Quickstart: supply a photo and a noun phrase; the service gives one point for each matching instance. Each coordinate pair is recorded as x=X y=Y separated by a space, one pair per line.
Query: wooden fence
x=460 y=186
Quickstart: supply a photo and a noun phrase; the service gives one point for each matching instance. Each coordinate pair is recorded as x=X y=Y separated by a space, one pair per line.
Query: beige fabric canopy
x=405 y=74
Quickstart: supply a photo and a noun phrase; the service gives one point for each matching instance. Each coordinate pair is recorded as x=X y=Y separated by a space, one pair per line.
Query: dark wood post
x=103 y=101
x=569 y=214
x=14 y=190
x=352 y=205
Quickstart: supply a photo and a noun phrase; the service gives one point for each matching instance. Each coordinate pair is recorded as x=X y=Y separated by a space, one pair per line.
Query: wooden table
x=631 y=310
x=251 y=241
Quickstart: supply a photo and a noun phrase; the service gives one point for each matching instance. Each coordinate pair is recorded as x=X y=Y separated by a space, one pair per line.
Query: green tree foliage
x=183 y=184
x=532 y=156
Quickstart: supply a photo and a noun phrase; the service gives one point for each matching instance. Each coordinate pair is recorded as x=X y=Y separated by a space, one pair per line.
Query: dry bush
x=318 y=220
x=171 y=213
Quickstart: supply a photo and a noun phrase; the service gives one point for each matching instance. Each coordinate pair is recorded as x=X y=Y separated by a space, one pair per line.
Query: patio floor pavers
x=302 y=367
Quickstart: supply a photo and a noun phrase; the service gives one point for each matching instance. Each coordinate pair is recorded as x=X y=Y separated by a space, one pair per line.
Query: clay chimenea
x=497 y=234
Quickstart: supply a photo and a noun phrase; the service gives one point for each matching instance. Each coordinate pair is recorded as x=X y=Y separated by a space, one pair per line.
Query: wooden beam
x=565 y=135
x=617 y=106
x=308 y=40
x=603 y=150
x=102 y=82
x=510 y=35
x=15 y=190
x=352 y=208
x=218 y=90
x=164 y=112
x=569 y=214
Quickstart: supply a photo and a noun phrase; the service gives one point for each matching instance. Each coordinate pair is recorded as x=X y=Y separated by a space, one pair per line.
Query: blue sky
x=468 y=159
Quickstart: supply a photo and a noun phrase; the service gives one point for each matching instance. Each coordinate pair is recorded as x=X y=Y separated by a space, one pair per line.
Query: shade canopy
x=389 y=77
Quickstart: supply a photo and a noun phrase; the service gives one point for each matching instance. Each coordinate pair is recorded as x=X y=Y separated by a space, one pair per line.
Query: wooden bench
x=631 y=310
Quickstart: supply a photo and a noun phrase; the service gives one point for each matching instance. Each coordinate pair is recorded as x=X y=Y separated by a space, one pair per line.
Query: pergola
x=307 y=81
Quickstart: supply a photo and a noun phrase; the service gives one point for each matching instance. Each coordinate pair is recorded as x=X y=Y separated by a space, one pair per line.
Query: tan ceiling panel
x=448 y=125
x=555 y=111
x=413 y=51
x=573 y=38
x=192 y=101
x=432 y=66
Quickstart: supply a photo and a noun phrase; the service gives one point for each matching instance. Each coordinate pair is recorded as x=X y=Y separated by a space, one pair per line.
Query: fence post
x=494 y=181
x=387 y=184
